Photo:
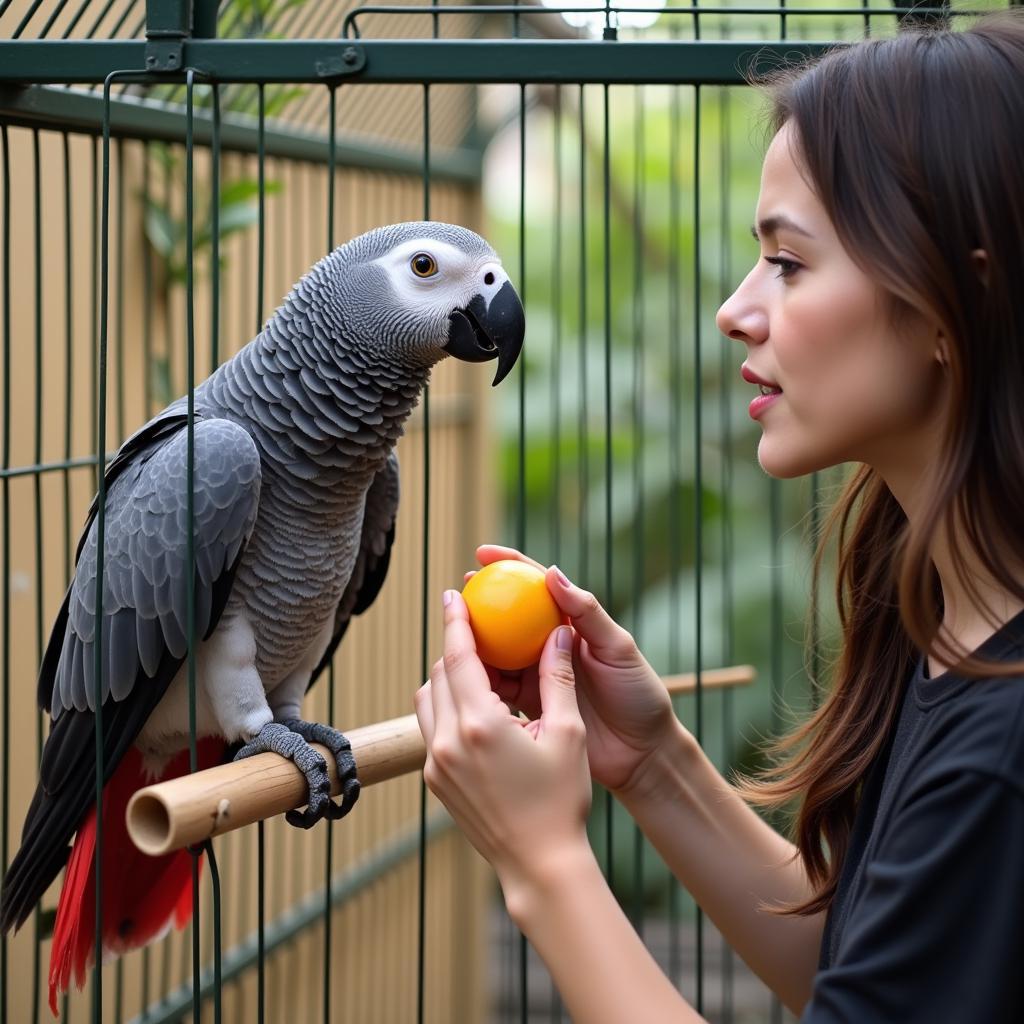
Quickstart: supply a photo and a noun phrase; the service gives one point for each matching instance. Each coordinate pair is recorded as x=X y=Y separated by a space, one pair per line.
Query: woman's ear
x=979 y=257
x=980 y=260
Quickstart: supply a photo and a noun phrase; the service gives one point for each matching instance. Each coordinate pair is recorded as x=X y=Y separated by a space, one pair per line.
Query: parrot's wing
x=144 y=624
x=372 y=559
x=145 y=586
x=136 y=450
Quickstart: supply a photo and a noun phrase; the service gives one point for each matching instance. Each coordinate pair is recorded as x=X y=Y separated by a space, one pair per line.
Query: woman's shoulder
x=979 y=728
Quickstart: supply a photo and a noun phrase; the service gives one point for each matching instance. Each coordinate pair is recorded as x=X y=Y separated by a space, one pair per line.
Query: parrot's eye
x=423 y=265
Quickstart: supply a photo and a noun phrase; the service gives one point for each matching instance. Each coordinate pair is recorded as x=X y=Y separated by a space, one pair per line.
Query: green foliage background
x=628 y=393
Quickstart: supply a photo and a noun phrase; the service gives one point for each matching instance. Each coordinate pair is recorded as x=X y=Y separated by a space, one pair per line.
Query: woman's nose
x=742 y=318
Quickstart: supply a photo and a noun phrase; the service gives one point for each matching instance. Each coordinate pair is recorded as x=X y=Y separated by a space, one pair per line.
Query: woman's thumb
x=556 y=676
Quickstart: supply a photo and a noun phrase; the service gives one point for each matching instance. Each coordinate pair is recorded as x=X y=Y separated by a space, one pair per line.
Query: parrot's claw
x=338 y=744
x=292 y=739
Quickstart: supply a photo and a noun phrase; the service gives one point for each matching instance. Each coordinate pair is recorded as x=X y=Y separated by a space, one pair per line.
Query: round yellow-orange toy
x=511 y=612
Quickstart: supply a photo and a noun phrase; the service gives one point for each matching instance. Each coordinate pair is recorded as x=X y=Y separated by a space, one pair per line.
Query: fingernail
x=564 y=639
x=446 y=597
x=561 y=576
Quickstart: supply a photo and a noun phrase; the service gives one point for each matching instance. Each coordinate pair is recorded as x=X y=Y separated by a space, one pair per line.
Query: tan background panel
x=374 y=948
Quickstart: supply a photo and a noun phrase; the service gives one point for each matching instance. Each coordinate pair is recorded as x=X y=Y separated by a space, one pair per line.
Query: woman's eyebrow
x=770 y=225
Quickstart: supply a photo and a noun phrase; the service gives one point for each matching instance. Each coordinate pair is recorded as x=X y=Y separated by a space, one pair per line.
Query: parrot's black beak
x=480 y=332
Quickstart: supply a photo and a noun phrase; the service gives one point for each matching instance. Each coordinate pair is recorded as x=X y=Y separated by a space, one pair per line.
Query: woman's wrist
x=596 y=959
x=531 y=886
x=657 y=776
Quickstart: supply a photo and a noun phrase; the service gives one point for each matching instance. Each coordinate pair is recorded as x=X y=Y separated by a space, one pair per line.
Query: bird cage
x=168 y=170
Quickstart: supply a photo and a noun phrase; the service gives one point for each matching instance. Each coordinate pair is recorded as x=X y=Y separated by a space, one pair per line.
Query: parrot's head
x=430 y=289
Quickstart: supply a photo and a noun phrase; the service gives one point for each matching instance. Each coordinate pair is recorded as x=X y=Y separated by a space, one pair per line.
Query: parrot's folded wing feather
x=144 y=622
x=372 y=559
x=146 y=554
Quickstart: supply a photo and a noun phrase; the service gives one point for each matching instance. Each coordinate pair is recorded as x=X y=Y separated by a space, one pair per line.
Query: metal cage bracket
x=168 y=25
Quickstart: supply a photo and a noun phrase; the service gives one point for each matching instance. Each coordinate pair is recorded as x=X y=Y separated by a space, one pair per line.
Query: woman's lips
x=769 y=391
x=759 y=404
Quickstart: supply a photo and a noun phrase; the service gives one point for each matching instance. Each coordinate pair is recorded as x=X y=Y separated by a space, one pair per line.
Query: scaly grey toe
x=278 y=738
x=338 y=744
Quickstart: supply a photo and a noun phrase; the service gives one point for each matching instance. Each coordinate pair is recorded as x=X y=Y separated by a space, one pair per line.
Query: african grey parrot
x=295 y=498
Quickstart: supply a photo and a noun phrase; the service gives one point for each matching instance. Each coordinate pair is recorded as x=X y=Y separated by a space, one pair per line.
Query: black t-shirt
x=928 y=919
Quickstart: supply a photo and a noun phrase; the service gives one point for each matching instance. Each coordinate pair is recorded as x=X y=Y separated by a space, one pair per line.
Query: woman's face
x=854 y=386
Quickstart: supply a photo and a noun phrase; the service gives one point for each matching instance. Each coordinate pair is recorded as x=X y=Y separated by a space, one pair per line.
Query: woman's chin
x=787 y=462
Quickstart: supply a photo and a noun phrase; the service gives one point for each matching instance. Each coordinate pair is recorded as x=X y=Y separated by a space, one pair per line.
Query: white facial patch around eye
x=452 y=286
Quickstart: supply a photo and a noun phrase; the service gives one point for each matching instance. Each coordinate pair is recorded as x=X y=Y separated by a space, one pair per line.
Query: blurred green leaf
x=162 y=154
x=238 y=217
x=162 y=230
x=238 y=210
x=160 y=379
x=278 y=99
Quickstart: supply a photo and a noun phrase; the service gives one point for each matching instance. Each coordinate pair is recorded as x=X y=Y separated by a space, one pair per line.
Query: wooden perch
x=170 y=815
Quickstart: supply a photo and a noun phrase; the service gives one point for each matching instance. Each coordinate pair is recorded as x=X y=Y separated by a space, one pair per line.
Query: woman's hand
x=624 y=704
x=519 y=790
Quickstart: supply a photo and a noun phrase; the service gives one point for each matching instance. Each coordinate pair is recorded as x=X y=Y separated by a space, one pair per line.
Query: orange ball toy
x=511 y=612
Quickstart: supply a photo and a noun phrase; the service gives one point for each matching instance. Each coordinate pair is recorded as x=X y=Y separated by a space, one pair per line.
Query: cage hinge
x=168 y=25
x=346 y=62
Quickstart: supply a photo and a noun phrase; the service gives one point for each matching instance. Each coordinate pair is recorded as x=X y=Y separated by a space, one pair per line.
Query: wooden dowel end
x=149 y=821
x=188 y=810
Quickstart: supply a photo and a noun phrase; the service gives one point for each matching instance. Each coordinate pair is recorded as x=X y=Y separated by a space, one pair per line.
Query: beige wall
x=373 y=963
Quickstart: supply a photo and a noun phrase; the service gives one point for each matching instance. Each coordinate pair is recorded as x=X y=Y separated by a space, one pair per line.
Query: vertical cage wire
x=638 y=432
x=101 y=491
x=674 y=540
x=583 y=442
x=5 y=802
x=725 y=486
x=261 y=849
x=555 y=1005
x=698 y=489
x=37 y=488
x=606 y=238
x=332 y=132
x=520 y=520
x=421 y=923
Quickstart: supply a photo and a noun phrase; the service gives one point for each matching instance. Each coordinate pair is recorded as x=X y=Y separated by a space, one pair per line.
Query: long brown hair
x=915 y=146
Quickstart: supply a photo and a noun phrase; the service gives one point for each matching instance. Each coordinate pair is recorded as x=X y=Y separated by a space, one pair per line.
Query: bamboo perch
x=170 y=815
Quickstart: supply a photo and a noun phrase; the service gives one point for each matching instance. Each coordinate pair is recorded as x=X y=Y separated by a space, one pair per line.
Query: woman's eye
x=423 y=265
x=786 y=267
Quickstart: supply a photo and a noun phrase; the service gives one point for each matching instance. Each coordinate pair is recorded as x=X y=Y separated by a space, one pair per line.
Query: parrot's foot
x=292 y=739
x=337 y=743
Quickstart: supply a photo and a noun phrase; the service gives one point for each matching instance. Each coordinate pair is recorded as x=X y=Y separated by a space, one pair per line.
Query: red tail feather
x=142 y=895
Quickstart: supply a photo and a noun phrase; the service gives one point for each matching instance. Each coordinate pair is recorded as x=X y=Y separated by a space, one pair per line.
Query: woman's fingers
x=607 y=640
x=424 y=707
x=557 y=680
x=521 y=689
x=466 y=675
x=442 y=706
x=487 y=553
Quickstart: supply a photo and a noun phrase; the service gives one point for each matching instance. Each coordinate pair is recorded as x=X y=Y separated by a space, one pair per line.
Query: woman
x=884 y=324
